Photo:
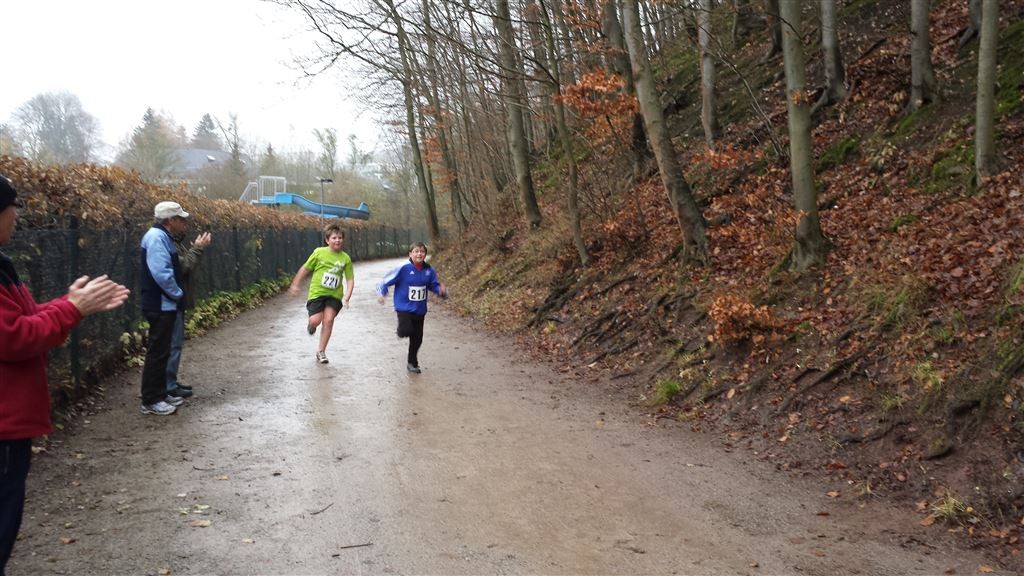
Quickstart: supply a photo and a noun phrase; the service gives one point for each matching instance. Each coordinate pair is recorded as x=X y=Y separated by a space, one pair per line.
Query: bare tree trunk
x=922 y=78
x=687 y=213
x=622 y=67
x=973 y=23
x=743 y=20
x=433 y=229
x=708 y=110
x=810 y=246
x=538 y=44
x=984 y=132
x=835 y=76
x=771 y=9
x=451 y=170
x=511 y=80
x=566 y=37
x=575 y=219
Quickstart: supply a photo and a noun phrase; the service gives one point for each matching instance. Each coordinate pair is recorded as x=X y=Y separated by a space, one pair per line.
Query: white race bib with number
x=330 y=281
x=417 y=293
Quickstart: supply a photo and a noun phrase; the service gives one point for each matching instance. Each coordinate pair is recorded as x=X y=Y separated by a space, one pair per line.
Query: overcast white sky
x=183 y=58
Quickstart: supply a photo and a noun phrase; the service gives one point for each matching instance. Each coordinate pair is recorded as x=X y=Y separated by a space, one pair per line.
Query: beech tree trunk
x=984 y=132
x=565 y=138
x=835 y=76
x=433 y=229
x=441 y=123
x=771 y=9
x=973 y=22
x=922 y=78
x=708 y=110
x=687 y=213
x=809 y=248
x=511 y=80
x=622 y=67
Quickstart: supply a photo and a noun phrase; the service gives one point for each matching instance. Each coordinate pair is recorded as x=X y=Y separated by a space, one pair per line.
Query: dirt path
x=483 y=464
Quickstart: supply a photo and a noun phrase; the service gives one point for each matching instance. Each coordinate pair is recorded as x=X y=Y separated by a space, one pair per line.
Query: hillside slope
x=893 y=372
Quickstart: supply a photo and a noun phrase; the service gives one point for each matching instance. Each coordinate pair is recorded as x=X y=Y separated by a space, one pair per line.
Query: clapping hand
x=96 y=295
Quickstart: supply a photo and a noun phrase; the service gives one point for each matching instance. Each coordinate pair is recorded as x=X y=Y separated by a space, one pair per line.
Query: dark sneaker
x=321 y=357
x=174 y=400
x=183 y=387
x=311 y=329
x=413 y=368
x=180 y=392
x=159 y=408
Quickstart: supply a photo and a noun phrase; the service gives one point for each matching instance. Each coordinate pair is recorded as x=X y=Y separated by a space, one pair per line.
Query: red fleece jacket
x=27 y=332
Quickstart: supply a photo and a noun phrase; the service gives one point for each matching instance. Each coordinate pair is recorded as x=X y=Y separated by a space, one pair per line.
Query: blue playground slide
x=313 y=208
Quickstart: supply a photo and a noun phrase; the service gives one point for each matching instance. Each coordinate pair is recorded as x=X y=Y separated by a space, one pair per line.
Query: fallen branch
x=322 y=509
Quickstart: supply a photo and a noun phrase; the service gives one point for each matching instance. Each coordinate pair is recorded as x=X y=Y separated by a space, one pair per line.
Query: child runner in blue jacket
x=412 y=281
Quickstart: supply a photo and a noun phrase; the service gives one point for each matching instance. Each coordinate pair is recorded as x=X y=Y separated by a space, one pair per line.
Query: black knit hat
x=8 y=195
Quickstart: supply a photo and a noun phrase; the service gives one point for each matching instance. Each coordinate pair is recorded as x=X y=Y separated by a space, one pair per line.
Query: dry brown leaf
x=928 y=521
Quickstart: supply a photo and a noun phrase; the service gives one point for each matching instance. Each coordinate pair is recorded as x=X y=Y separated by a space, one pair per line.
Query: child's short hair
x=416 y=245
x=332 y=229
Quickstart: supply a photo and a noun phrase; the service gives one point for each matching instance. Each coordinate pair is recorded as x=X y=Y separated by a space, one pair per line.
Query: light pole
x=322 y=180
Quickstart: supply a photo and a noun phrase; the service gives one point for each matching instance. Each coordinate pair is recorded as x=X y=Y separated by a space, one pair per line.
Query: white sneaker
x=321 y=357
x=174 y=400
x=160 y=408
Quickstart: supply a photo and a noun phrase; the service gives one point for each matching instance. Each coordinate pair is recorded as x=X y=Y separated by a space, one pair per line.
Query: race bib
x=417 y=293
x=330 y=281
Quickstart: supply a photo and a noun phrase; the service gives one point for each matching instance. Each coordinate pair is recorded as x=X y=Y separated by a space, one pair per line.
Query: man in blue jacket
x=161 y=297
x=412 y=281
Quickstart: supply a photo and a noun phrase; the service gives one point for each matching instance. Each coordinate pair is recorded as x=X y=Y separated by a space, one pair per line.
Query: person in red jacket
x=27 y=332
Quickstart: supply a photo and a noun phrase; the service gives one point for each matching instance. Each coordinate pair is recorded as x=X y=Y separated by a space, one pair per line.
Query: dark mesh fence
x=49 y=260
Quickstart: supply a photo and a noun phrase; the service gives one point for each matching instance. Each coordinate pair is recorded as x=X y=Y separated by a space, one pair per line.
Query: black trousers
x=154 y=372
x=15 y=457
x=411 y=326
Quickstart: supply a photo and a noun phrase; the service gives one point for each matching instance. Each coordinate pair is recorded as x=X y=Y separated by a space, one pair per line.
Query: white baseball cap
x=165 y=210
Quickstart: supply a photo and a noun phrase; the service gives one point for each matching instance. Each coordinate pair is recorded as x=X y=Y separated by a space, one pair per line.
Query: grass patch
x=910 y=122
x=1011 y=70
x=838 y=154
x=665 y=391
x=892 y=306
x=954 y=170
x=903 y=220
x=951 y=510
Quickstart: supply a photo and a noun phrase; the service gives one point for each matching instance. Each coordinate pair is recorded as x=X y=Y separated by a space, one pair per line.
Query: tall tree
x=270 y=164
x=687 y=213
x=511 y=76
x=9 y=145
x=565 y=138
x=619 y=56
x=407 y=78
x=810 y=246
x=53 y=128
x=984 y=132
x=440 y=120
x=205 y=135
x=328 y=159
x=771 y=9
x=973 y=22
x=835 y=76
x=708 y=110
x=922 y=77
x=152 y=147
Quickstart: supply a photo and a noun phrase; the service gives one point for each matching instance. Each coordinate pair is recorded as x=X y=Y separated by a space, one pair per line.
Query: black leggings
x=411 y=326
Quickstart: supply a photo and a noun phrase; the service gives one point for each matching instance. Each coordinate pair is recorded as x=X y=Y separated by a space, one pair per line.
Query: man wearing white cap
x=161 y=297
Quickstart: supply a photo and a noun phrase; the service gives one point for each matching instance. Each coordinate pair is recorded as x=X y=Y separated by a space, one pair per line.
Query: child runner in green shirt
x=328 y=265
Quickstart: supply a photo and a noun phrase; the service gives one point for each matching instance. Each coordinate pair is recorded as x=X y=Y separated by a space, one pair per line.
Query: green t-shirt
x=328 y=268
